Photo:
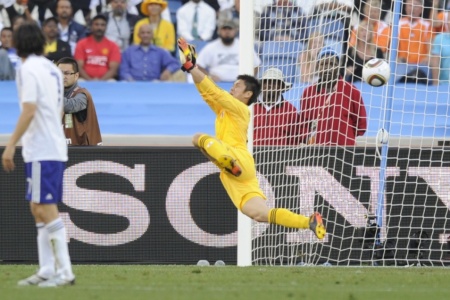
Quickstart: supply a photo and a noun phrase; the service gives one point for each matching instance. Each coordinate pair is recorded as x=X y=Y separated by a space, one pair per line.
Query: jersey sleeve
x=219 y=99
x=28 y=86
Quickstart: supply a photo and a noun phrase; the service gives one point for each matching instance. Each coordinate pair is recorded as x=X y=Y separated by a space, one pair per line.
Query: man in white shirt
x=196 y=20
x=44 y=150
x=220 y=58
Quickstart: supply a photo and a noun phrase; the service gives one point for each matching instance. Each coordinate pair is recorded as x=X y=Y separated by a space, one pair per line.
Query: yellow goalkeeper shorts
x=246 y=186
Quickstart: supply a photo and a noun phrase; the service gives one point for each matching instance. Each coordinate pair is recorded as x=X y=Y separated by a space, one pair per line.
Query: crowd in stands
x=117 y=39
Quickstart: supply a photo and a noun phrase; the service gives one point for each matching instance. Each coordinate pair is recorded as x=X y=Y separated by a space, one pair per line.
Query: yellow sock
x=211 y=146
x=286 y=218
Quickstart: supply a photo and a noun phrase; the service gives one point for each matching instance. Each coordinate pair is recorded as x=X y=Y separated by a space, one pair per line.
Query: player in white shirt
x=220 y=58
x=44 y=151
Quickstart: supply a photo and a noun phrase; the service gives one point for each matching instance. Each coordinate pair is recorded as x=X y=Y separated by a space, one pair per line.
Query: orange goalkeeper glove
x=187 y=54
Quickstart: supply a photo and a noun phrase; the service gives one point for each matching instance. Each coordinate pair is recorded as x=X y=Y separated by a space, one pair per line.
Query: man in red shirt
x=276 y=120
x=98 y=58
x=332 y=110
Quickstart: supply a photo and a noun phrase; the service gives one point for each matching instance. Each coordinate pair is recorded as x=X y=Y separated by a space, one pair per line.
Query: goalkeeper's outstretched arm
x=188 y=57
x=197 y=75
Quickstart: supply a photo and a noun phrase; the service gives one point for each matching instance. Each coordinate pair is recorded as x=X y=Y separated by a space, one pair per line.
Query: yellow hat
x=145 y=3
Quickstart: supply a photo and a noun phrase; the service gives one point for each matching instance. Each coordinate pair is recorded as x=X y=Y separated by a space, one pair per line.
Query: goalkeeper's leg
x=257 y=209
x=215 y=151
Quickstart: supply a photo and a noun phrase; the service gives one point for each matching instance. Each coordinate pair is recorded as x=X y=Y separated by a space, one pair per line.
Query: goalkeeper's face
x=238 y=91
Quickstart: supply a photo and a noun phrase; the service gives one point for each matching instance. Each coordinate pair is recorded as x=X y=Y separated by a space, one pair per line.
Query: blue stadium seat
x=174 y=5
x=176 y=108
x=282 y=55
x=280 y=48
x=287 y=65
x=330 y=27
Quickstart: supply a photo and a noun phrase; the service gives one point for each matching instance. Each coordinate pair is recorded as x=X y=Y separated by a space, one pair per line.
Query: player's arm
x=216 y=97
x=25 y=118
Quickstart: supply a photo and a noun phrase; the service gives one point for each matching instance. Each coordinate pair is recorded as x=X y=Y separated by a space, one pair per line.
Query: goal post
x=385 y=201
x=246 y=37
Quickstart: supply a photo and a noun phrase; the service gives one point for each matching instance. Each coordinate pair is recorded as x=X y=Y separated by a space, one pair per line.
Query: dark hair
x=253 y=85
x=7 y=29
x=48 y=20
x=68 y=61
x=28 y=39
x=102 y=17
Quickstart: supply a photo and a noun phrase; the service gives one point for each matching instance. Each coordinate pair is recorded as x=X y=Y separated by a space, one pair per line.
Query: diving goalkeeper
x=229 y=149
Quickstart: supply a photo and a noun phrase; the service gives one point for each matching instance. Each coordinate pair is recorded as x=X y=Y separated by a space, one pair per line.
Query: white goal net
x=377 y=169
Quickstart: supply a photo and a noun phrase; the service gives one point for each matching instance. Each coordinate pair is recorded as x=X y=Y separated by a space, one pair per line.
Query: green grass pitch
x=133 y=282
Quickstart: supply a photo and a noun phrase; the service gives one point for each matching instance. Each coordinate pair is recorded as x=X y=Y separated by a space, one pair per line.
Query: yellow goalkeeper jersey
x=232 y=116
x=232 y=120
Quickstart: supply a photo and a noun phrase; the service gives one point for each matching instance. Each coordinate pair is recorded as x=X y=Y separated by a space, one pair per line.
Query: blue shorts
x=44 y=181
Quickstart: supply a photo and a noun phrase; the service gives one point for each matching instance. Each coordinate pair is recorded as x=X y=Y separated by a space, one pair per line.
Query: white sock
x=45 y=253
x=57 y=236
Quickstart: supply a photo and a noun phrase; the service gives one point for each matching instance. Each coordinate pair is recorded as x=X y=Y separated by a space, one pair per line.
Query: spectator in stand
x=220 y=58
x=196 y=21
x=135 y=7
x=282 y=15
x=415 y=34
x=308 y=58
x=82 y=5
x=380 y=30
x=120 y=24
x=325 y=6
x=7 y=69
x=230 y=10
x=439 y=17
x=440 y=57
x=163 y=30
x=98 y=58
x=80 y=118
x=69 y=30
x=276 y=121
x=44 y=8
x=233 y=12
x=332 y=110
x=6 y=38
x=17 y=21
x=213 y=3
x=18 y=8
x=54 y=48
x=147 y=62
x=360 y=53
